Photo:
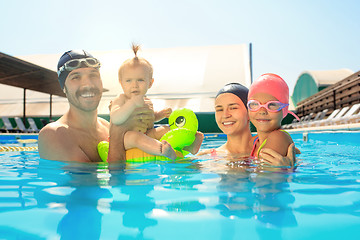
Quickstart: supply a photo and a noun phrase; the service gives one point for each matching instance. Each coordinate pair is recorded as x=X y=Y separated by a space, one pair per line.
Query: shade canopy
x=19 y=73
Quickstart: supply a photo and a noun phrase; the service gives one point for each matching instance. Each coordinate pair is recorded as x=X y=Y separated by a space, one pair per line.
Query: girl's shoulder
x=280 y=135
x=279 y=141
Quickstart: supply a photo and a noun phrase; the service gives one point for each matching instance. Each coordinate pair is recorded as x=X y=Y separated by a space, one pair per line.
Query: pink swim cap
x=274 y=85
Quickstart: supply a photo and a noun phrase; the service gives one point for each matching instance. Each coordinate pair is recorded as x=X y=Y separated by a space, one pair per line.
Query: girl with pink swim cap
x=268 y=102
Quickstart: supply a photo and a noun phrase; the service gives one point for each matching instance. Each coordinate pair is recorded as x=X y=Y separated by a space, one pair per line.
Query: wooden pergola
x=19 y=73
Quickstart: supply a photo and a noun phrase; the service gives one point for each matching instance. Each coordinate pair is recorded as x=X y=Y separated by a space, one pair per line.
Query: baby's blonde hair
x=135 y=61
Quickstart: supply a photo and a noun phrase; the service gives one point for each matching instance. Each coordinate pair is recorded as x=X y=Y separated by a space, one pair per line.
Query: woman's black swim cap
x=67 y=56
x=237 y=89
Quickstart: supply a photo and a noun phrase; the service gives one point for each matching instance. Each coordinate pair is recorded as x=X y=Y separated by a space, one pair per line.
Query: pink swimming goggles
x=271 y=106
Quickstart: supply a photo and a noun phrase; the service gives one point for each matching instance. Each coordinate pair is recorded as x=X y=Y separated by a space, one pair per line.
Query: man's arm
x=117 y=151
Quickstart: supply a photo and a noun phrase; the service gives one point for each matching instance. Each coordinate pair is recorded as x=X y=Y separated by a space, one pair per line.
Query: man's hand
x=148 y=103
x=142 y=119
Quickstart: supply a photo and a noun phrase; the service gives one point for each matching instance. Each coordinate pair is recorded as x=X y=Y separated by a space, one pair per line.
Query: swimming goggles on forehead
x=76 y=63
x=271 y=106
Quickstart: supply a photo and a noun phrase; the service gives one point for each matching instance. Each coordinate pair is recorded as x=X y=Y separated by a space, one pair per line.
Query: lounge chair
x=33 y=126
x=338 y=116
x=304 y=121
x=296 y=124
x=319 y=116
x=3 y=129
x=44 y=122
x=21 y=125
x=290 y=125
x=354 y=118
x=353 y=111
x=8 y=126
x=335 y=117
x=323 y=121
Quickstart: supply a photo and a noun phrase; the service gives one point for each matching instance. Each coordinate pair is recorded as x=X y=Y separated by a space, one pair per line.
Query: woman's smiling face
x=231 y=114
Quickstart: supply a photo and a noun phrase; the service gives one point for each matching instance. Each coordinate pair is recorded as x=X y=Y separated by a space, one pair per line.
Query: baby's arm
x=195 y=146
x=165 y=113
x=159 y=115
x=121 y=109
x=158 y=132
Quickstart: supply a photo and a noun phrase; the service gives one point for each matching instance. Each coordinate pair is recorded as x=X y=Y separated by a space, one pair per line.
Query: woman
x=232 y=118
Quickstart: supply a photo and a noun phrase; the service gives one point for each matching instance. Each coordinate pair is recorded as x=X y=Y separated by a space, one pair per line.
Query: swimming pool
x=191 y=199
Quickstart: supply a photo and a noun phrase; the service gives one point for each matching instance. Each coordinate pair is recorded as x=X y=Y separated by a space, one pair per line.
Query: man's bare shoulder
x=54 y=133
x=54 y=125
x=53 y=140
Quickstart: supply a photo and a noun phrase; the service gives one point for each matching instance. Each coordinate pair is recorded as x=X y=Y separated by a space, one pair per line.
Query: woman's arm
x=277 y=159
x=277 y=148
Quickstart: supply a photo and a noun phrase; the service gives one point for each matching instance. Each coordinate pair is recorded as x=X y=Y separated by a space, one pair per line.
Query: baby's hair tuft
x=135 y=47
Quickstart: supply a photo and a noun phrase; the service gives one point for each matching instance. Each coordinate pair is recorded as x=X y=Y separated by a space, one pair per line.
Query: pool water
x=195 y=198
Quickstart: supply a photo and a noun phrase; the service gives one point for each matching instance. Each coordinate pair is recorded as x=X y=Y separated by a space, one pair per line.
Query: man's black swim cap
x=67 y=56
x=237 y=89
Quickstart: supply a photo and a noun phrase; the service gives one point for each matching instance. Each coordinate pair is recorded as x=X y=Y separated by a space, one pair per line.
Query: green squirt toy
x=183 y=126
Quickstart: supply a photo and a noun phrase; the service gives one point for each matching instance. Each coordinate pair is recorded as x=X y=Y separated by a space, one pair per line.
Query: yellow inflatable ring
x=136 y=155
x=133 y=155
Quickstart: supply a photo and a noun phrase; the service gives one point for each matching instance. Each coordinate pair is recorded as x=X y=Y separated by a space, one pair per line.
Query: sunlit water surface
x=195 y=198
